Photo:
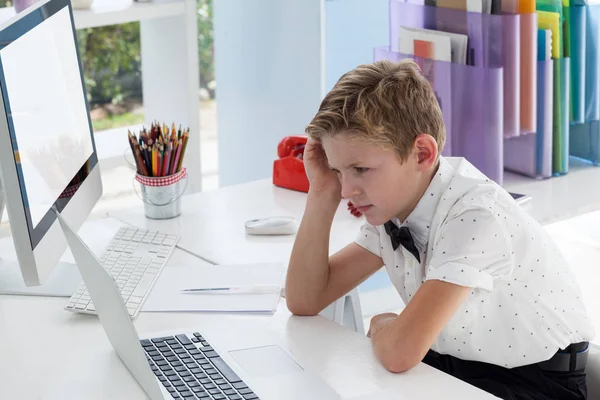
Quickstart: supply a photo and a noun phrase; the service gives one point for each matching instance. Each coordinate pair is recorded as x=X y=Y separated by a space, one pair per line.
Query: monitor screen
x=47 y=116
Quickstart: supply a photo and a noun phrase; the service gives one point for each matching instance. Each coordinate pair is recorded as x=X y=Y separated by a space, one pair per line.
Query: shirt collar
x=420 y=219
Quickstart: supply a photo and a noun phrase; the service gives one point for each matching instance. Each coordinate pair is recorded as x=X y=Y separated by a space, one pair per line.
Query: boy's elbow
x=302 y=311
x=398 y=360
x=398 y=364
x=301 y=308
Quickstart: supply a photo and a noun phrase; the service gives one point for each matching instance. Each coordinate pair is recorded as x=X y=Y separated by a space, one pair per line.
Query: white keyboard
x=135 y=259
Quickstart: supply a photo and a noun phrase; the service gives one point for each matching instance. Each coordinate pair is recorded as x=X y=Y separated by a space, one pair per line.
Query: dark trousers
x=521 y=383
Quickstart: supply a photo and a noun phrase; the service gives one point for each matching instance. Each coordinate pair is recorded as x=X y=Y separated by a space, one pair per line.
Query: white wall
x=274 y=59
x=268 y=68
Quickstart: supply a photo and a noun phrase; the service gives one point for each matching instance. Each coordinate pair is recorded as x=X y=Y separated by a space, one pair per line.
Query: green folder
x=560 y=126
x=577 y=48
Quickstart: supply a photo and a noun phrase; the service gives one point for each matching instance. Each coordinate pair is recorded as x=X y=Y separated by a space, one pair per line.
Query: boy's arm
x=315 y=280
x=401 y=341
x=460 y=263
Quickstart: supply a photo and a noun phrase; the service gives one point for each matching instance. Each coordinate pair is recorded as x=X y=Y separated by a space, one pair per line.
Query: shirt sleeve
x=471 y=249
x=368 y=238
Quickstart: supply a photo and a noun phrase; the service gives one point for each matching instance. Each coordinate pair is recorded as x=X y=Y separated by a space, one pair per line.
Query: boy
x=488 y=297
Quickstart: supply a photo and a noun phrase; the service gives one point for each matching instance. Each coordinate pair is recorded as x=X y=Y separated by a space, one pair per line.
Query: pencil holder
x=162 y=195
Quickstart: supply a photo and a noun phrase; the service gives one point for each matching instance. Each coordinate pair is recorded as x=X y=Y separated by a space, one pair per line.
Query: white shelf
x=112 y=12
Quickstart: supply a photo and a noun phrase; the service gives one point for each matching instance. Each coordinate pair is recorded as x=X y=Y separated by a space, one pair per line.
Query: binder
x=528 y=69
x=560 y=127
x=592 y=64
x=567 y=21
x=544 y=135
x=512 y=73
x=531 y=155
x=528 y=81
x=584 y=141
x=584 y=138
x=577 y=47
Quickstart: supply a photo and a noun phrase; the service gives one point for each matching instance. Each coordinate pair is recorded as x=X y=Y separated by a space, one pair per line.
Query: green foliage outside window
x=106 y=52
x=205 y=42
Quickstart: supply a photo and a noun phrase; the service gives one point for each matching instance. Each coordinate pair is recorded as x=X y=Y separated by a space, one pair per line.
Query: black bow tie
x=401 y=236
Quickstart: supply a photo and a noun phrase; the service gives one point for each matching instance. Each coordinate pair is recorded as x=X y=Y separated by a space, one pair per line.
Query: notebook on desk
x=169 y=292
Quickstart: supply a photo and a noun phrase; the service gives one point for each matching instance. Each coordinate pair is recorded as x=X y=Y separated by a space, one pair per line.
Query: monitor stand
x=62 y=282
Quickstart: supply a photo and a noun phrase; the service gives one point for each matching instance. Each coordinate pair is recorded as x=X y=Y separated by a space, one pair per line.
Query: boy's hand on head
x=322 y=179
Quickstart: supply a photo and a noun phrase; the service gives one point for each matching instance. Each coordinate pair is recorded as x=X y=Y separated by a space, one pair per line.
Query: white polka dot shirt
x=524 y=304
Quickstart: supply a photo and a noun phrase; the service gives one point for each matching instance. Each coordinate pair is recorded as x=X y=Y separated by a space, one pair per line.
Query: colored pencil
x=166 y=160
x=140 y=160
x=176 y=165
x=183 y=147
x=159 y=150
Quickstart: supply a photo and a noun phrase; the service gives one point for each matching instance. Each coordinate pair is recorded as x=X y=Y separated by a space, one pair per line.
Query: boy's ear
x=427 y=151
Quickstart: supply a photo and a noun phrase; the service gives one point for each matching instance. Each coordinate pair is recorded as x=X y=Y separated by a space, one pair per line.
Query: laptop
x=187 y=364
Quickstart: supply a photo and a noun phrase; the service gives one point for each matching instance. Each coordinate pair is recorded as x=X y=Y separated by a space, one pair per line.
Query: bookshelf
x=169 y=58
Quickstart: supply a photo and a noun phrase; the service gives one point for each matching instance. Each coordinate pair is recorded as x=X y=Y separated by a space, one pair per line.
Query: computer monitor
x=48 y=156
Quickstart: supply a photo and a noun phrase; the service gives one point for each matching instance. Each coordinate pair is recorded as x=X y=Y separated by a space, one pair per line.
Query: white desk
x=211 y=226
x=48 y=353
x=560 y=197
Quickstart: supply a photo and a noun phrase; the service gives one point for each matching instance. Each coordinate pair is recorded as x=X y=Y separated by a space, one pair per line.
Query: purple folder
x=531 y=154
x=493 y=42
x=512 y=73
x=471 y=99
x=485 y=31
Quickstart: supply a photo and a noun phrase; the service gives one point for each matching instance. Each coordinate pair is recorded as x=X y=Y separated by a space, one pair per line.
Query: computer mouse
x=272 y=226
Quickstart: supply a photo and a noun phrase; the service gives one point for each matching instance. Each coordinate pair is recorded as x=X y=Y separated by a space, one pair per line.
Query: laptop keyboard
x=189 y=368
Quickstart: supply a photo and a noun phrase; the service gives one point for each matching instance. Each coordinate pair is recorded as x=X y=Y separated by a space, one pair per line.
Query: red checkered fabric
x=161 y=180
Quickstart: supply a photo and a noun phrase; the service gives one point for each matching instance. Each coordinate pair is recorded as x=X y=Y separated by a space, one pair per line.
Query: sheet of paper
x=166 y=294
x=440 y=43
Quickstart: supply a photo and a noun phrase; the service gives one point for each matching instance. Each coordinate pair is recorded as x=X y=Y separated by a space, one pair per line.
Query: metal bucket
x=162 y=195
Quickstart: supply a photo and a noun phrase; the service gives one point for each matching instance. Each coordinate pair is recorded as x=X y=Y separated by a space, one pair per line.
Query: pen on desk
x=256 y=289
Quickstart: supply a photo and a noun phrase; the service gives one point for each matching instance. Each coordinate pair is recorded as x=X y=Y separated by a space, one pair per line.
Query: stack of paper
x=441 y=46
x=168 y=295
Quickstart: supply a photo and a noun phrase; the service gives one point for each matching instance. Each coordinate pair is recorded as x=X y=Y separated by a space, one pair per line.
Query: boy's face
x=374 y=179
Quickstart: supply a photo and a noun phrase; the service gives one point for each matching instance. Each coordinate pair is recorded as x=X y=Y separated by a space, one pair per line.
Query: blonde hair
x=384 y=103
